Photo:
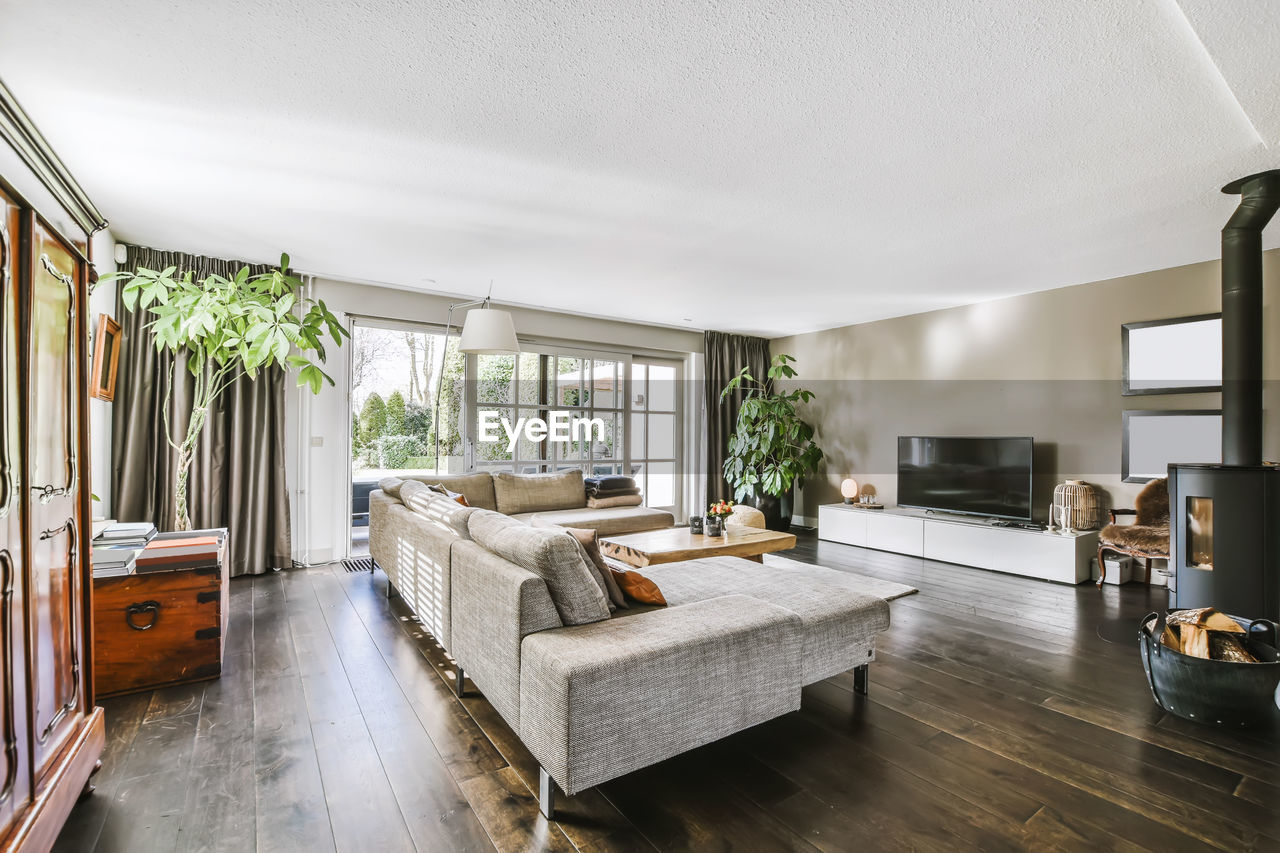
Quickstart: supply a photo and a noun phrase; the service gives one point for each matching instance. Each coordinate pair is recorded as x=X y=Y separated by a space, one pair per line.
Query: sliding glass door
x=395 y=381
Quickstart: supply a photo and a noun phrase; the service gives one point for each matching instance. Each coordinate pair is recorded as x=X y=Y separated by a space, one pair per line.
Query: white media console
x=969 y=542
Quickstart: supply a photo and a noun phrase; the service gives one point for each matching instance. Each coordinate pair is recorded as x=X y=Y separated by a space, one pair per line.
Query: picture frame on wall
x=1182 y=355
x=1152 y=439
x=106 y=358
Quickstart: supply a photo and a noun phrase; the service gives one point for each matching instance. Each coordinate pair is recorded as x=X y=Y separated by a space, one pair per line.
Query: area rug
x=888 y=590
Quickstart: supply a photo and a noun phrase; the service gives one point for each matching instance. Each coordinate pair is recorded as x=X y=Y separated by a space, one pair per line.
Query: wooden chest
x=152 y=630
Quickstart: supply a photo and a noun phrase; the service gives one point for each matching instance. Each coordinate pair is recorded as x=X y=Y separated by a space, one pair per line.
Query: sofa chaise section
x=599 y=701
x=839 y=624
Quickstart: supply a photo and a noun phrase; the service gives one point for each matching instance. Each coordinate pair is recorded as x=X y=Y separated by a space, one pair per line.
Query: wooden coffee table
x=677 y=543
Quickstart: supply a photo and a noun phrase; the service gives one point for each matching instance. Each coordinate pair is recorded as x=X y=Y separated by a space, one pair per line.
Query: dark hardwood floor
x=997 y=720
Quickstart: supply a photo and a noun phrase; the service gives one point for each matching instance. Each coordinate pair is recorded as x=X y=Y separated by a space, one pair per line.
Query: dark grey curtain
x=726 y=354
x=238 y=475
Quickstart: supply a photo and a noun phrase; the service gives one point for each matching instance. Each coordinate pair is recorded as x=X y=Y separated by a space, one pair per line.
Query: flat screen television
x=986 y=476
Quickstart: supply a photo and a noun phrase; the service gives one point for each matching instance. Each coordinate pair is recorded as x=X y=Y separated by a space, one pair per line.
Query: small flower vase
x=714 y=527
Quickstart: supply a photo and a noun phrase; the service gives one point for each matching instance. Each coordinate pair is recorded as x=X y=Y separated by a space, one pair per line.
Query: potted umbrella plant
x=220 y=329
x=772 y=448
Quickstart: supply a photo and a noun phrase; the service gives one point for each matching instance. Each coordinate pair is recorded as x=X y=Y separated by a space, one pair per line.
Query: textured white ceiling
x=767 y=167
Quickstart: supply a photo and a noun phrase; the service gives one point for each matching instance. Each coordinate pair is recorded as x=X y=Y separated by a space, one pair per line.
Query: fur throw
x=1152 y=539
x=1152 y=503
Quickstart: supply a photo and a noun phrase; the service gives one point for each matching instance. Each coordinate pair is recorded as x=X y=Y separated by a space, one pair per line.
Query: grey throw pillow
x=436 y=510
x=409 y=488
x=590 y=545
x=391 y=486
x=575 y=591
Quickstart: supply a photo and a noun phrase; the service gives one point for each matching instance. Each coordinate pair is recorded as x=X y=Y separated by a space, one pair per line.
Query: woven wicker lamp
x=1075 y=505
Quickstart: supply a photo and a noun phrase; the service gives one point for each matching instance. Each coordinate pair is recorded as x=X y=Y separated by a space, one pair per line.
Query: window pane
x=573 y=448
x=451 y=404
x=606 y=384
x=495 y=375
x=661 y=485
x=662 y=387
x=637 y=436
x=637 y=386
x=569 y=376
x=608 y=445
x=662 y=436
x=530 y=375
x=527 y=450
x=493 y=448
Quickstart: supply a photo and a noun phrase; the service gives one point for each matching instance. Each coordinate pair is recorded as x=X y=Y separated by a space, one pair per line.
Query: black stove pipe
x=1242 y=316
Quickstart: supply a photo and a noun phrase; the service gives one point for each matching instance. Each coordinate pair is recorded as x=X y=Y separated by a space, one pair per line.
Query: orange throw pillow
x=637 y=587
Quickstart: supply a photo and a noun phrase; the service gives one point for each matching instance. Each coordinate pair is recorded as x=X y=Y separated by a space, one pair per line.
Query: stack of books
x=130 y=535
x=195 y=550
x=110 y=561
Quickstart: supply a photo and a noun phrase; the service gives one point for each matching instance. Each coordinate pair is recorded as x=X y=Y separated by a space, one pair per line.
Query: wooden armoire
x=51 y=735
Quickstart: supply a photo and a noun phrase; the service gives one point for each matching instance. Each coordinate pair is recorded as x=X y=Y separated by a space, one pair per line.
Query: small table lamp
x=849 y=489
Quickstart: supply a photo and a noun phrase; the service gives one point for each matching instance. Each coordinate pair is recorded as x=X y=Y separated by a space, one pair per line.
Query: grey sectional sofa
x=594 y=701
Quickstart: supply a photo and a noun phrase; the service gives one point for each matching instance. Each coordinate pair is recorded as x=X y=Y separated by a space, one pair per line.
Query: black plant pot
x=776 y=509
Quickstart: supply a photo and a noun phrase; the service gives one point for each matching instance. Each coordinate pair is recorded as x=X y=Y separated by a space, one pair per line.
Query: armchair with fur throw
x=1147 y=537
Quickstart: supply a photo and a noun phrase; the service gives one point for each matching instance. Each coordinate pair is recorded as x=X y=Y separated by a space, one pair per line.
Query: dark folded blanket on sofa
x=596 y=484
x=612 y=493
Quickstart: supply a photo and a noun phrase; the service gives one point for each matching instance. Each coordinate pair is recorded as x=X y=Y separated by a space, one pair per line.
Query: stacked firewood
x=1206 y=633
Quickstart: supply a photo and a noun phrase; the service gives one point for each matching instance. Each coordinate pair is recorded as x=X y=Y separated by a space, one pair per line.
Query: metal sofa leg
x=459 y=683
x=546 y=794
x=860 y=680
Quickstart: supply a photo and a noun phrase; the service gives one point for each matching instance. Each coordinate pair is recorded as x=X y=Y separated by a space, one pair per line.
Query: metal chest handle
x=152 y=607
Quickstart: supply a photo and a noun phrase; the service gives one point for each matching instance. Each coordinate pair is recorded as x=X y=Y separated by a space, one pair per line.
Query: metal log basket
x=1215 y=692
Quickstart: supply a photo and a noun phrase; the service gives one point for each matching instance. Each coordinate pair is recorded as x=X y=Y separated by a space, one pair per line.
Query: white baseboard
x=314 y=556
x=804 y=521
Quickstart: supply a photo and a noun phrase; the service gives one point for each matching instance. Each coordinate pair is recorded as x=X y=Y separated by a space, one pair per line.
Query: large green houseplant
x=223 y=328
x=772 y=448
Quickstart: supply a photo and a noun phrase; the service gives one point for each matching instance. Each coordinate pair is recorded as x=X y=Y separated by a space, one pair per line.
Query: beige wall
x=1044 y=364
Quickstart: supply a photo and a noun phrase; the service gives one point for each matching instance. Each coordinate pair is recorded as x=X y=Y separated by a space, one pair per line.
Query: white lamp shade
x=849 y=488
x=488 y=331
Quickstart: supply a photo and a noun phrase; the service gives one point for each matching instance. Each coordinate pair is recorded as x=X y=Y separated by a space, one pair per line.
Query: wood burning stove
x=1225 y=523
x=1225 y=519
